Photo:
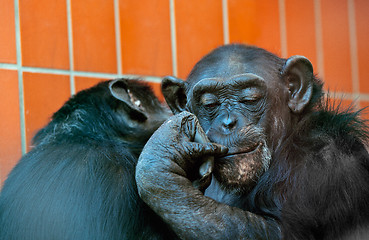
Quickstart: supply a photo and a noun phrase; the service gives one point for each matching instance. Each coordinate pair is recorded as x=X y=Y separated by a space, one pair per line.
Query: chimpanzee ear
x=132 y=105
x=174 y=91
x=298 y=74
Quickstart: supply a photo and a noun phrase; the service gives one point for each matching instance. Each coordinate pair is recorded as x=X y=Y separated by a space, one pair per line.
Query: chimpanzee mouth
x=248 y=150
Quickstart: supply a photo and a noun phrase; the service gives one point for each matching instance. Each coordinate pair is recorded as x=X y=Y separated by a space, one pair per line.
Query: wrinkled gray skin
x=163 y=183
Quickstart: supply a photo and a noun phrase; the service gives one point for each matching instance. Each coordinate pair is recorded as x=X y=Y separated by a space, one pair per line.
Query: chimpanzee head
x=246 y=99
x=137 y=105
x=122 y=108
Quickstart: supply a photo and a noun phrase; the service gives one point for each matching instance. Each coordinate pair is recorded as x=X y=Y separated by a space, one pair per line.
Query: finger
x=215 y=148
x=190 y=126
x=200 y=135
x=208 y=149
x=178 y=121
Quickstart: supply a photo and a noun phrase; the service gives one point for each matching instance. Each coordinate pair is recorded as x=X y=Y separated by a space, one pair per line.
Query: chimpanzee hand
x=180 y=147
x=163 y=175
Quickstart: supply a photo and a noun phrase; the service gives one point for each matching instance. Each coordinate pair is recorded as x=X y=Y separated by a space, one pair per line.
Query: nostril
x=229 y=123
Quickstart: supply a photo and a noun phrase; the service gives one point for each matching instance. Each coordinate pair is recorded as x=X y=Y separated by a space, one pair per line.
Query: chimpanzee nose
x=229 y=123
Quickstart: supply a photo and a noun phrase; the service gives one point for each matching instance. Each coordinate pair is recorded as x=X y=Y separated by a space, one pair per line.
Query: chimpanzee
x=78 y=180
x=296 y=166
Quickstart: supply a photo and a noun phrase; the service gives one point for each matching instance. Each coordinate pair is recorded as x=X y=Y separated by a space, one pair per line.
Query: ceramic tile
x=82 y=83
x=44 y=94
x=255 y=22
x=336 y=45
x=145 y=36
x=94 y=36
x=44 y=33
x=197 y=33
x=300 y=25
x=362 y=31
x=10 y=135
x=8 y=52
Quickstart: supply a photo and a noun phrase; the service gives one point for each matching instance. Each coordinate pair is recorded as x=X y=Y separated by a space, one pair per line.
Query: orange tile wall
x=51 y=49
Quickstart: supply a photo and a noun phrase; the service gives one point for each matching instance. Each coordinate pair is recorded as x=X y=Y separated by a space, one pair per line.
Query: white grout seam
x=283 y=27
x=70 y=47
x=18 y=66
x=118 y=37
x=10 y=66
x=353 y=48
x=319 y=38
x=173 y=37
x=225 y=21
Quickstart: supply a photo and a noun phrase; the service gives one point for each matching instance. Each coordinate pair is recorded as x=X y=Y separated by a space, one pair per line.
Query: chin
x=240 y=170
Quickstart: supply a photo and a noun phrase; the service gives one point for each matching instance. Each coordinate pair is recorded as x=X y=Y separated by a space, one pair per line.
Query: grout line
x=9 y=66
x=173 y=37
x=353 y=47
x=225 y=21
x=283 y=27
x=118 y=37
x=146 y=78
x=350 y=96
x=77 y=73
x=319 y=38
x=18 y=66
x=46 y=70
x=72 y=84
x=70 y=47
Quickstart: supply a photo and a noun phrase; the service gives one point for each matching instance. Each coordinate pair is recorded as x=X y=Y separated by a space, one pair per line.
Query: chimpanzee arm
x=162 y=181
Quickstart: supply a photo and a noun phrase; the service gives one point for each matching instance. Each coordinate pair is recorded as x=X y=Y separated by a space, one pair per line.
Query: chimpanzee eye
x=250 y=96
x=211 y=105
x=209 y=101
x=250 y=99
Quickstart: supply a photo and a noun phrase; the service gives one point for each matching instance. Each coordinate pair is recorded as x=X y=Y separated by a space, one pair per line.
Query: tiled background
x=52 y=49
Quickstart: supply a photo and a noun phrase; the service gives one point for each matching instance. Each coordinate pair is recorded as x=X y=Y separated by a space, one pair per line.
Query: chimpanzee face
x=231 y=110
x=240 y=95
x=225 y=106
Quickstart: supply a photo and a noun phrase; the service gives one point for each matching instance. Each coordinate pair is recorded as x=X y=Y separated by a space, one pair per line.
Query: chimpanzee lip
x=249 y=150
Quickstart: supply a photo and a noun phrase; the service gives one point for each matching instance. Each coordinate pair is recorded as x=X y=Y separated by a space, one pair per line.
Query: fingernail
x=223 y=149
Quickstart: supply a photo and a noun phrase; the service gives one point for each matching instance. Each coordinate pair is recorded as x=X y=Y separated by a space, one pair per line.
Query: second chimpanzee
x=296 y=167
x=78 y=180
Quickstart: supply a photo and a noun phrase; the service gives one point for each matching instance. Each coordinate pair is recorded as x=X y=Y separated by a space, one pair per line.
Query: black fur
x=318 y=183
x=78 y=180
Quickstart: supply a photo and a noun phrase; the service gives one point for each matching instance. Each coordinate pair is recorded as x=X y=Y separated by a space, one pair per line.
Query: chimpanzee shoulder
x=343 y=126
x=329 y=171
x=339 y=121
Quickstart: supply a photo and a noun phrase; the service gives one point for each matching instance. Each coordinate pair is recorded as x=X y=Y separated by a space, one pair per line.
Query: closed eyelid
x=208 y=98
